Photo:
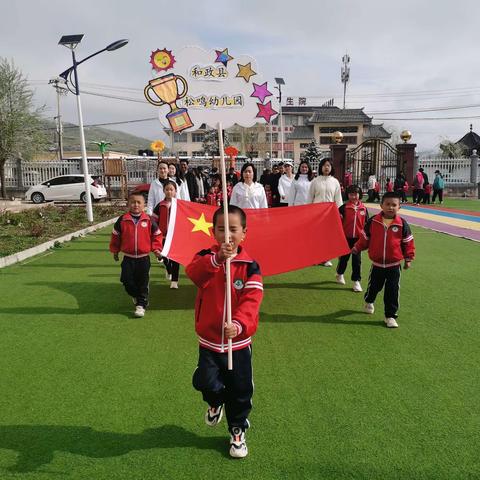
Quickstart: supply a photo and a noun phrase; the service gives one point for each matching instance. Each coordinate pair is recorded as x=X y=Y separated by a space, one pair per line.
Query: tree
x=452 y=150
x=20 y=128
x=312 y=153
x=210 y=142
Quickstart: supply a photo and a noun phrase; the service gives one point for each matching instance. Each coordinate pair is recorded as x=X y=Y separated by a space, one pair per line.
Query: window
x=288 y=155
x=304 y=145
x=58 y=181
x=180 y=138
x=182 y=153
x=235 y=137
x=198 y=137
x=77 y=179
x=198 y=153
x=274 y=137
x=253 y=154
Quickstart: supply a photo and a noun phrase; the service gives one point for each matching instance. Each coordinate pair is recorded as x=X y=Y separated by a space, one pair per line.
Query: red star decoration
x=266 y=111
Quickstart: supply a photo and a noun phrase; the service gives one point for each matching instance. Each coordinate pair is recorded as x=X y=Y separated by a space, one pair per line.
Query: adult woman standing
x=247 y=193
x=438 y=186
x=300 y=185
x=155 y=194
x=325 y=188
x=285 y=184
x=176 y=176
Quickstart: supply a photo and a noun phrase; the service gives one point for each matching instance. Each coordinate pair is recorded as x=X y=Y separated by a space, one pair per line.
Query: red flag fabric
x=279 y=239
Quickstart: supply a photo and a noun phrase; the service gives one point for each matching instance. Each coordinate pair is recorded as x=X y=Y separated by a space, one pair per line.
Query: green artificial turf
x=90 y=392
x=461 y=203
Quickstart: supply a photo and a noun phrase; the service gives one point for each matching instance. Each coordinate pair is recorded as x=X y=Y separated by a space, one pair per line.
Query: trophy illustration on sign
x=166 y=90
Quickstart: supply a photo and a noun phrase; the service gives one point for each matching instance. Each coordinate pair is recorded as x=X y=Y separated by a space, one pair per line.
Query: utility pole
x=345 y=75
x=56 y=82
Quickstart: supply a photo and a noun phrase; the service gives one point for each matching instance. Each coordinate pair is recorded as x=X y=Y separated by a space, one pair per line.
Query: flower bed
x=26 y=229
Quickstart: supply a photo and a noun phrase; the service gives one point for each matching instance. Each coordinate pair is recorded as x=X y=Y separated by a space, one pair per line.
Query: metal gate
x=375 y=157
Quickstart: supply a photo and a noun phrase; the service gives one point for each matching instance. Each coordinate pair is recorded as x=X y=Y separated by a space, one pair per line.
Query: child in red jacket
x=136 y=235
x=354 y=214
x=389 y=241
x=222 y=388
x=161 y=214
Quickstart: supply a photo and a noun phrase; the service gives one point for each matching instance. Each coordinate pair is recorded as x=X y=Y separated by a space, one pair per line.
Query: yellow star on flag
x=245 y=71
x=201 y=224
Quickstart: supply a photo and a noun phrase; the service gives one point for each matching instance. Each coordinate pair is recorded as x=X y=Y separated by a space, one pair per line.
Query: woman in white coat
x=285 y=184
x=182 y=190
x=155 y=194
x=247 y=193
x=300 y=185
x=325 y=188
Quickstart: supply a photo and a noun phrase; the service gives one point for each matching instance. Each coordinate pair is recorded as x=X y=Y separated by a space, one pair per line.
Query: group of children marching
x=386 y=236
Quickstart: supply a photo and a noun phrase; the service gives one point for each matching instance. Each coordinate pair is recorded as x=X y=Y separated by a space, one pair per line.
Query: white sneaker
x=340 y=279
x=357 y=287
x=213 y=416
x=238 y=446
x=174 y=285
x=139 y=311
x=328 y=263
x=369 y=308
x=391 y=323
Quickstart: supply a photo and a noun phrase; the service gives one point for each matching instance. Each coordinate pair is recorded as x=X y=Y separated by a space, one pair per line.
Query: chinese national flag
x=279 y=239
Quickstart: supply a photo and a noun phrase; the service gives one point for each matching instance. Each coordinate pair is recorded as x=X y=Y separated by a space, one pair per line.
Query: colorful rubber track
x=459 y=223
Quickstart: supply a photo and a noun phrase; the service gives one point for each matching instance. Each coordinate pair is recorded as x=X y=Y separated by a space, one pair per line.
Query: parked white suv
x=66 y=187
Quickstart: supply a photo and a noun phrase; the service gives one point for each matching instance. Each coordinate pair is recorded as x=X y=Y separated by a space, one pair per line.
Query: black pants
x=172 y=268
x=135 y=277
x=390 y=277
x=417 y=195
x=439 y=193
x=373 y=195
x=402 y=194
x=356 y=262
x=220 y=386
x=426 y=198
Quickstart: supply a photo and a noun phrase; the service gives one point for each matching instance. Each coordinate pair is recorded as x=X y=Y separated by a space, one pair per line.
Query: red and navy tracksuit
x=161 y=214
x=353 y=220
x=218 y=385
x=136 y=236
x=387 y=246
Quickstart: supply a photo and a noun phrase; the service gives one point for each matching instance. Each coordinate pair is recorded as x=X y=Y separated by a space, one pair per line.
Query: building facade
x=301 y=125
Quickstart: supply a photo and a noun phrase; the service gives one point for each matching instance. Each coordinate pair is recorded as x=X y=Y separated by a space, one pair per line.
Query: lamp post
x=280 y=82
x=71 y=42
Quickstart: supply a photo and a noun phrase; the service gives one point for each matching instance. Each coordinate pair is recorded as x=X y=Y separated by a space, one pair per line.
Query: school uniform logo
x=144 y=224
x=238 y=284
x=395 y=229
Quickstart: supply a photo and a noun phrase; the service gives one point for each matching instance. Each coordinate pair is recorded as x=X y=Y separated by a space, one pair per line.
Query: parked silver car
x=66 y=187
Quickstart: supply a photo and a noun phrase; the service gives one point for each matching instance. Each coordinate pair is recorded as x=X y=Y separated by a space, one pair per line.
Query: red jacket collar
x=396 y=220
x=352 y=205
x=143 y=216
x=242 y=255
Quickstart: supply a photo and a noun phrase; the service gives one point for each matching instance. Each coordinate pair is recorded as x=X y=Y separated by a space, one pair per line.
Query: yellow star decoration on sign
x=201 y=224
x=245 y=71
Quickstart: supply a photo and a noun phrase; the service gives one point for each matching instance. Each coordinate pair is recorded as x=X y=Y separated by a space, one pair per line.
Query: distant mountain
x=121 y=141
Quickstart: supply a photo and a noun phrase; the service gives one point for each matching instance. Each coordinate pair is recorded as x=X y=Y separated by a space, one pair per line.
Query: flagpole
x=228 y=276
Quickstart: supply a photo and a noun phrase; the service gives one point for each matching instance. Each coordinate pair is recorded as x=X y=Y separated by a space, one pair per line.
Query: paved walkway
x=459 y=223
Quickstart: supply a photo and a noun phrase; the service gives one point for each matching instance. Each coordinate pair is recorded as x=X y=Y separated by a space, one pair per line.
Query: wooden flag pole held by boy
x=228 y=276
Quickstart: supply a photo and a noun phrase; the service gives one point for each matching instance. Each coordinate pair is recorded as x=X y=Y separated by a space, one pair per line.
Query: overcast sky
x=407 y=55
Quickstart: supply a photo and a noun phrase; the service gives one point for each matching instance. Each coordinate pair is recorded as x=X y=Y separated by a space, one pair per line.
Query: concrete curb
x=31 y=252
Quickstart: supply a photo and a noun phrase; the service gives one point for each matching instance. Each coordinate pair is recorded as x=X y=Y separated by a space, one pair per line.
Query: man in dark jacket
x=189 y=177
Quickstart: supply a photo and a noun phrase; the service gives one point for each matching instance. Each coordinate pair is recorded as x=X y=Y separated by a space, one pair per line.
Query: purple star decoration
x=260 y=91
x=223 y=56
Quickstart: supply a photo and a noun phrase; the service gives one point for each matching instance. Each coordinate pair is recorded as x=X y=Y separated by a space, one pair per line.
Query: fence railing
x=454 y=170
x=21 y=174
